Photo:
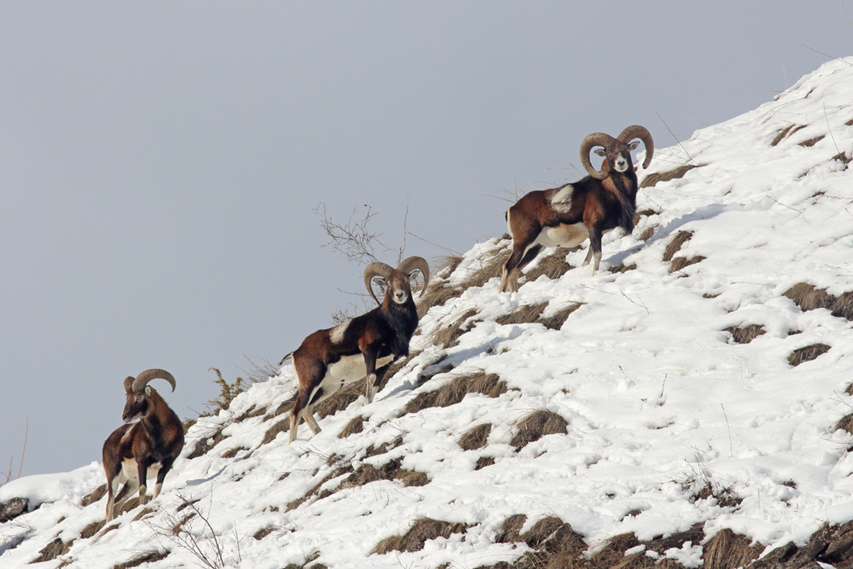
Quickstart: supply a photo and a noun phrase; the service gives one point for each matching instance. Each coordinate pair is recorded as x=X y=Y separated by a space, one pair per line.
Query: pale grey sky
x=160 y=163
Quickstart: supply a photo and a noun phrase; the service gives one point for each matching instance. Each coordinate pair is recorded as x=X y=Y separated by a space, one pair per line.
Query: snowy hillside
x=689 y=392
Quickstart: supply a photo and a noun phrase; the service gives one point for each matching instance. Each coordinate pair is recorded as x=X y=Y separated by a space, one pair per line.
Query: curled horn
x=591 y=140
x=128 y=384
x=143 y=378
x=410 y=264
x=637 y=131
x=376 y=269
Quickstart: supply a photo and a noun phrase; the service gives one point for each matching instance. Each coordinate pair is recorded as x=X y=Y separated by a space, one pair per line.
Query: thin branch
x=451 y=251
x=830 y=129
x=675 y=137
x=827 y=55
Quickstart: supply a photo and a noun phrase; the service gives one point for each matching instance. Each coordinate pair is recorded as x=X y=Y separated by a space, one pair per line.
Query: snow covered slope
x=662 y=419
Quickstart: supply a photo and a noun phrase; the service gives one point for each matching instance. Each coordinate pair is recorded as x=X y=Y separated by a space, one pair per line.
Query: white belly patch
x=566 y=235
x=346 y=370
x=129 y=471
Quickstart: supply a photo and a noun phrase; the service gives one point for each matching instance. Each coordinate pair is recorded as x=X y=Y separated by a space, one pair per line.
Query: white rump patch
x=337 y=334
x=129 y=472
x=561 y=200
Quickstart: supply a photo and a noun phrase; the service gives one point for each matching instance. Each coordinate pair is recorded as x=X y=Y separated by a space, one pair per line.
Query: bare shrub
x=745 y=334
x=675 y=245
x=677 y=173
x=453 y=392
x=423 y=530
x=537 y=425
x=807 y=354
x=475 y=438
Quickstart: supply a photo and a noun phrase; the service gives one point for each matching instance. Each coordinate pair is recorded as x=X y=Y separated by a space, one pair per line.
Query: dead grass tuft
x=356 y=425
x=490 y=267
x=282 y=426
x=475 y=438
x=785 y=132
x=263 y=532
x=647 y=233
x=438 y=294
x=203 y=446
x=510 y=530
x=315 y=490
x=391 y=470
x=553 y=535
x=537 y=425
x=727 y=550
x=812 y=141
x=807 y=354
x=845 y=423
x=654 y=179
x=484 y=461
x=455 y=391
x=147 y=557
x=448 y=337
x=843 y=158
x=622 y=268
x=680 y=263
x=553 y=265
x=89 y=498
x=423 y=530
x=556 y=320
x=809 y=297
x=745 y=334
x=675 y=244
x=525 y=313
x=52 y=550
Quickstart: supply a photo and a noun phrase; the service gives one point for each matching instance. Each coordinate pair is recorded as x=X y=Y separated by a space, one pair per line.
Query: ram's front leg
x=594 y=252
x=371 y=379
x=142 y=472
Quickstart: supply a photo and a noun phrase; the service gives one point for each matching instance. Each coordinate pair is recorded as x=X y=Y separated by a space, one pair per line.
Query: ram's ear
x=600 y=151
x=634 y=145
x=148 y=390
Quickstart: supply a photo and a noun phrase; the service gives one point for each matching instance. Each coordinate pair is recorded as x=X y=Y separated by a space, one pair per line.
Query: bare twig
x=830 y=129
x=675 y=137
x=827 y=55
x=352 y=239
x=451 y=251
x=731 y=449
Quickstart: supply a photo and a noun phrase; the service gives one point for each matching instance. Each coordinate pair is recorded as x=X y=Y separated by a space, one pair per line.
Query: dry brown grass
x=745 y=334
x=677 y=173
x=484 y=461
x=391 y=470
x=510 y=530
x=647 y=233
x=455 y=391
x=556 y=320
x=282 y=426
x=147 y=557
x=785 y=132
x=475 y=438
x=52 y=550
x=809 y=297
x=490 y=267
x=525 y=313
x=812 y=141
x=448 y=336
x=807 y=354
x=315 y=490
x=356 y=425
x=727 y=550
x=90 y=498
x=680 y=263
x=675 y=244
x=263 y=532
x=553 y=265
x=423 y=530
x=537 y=425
